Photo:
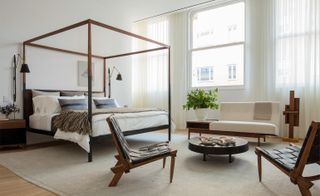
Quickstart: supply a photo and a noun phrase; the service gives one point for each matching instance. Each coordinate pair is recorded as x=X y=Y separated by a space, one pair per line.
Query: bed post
x=169 y=95
x=90 y=86
x=104 y=77
x=25 y=116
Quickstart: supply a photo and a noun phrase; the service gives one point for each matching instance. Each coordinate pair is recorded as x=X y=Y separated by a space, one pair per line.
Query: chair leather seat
x=287 y=157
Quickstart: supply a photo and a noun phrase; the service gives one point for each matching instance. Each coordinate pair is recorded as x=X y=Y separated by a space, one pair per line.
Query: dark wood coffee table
x=240 y=146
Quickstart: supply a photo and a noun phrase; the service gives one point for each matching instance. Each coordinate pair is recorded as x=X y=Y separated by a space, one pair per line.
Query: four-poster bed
x=27 y=94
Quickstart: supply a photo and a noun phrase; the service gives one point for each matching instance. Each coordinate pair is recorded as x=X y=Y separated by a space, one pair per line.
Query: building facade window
x=232 y=72
x=205 y=73
x=217 y=39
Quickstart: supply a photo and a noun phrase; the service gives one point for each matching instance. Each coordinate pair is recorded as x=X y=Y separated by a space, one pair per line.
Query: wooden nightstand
x=198 y=126
x=12 y=132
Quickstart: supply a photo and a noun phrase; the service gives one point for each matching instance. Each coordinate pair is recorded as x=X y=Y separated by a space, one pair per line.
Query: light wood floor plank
x=12 y=185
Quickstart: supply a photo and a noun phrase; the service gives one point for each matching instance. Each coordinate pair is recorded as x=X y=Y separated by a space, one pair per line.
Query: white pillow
x=36 y=93
x=73 y=97
x=46 y=105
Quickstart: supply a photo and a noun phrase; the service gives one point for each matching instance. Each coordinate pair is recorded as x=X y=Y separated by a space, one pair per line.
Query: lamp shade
x=119 y=77
x=24 y=68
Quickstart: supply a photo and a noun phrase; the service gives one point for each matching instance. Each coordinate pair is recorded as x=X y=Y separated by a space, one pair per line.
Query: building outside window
x=217 y=39
x=205 y=73
x=232 y=72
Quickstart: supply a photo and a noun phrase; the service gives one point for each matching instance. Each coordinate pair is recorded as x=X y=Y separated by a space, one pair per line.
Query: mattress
x=127 y=121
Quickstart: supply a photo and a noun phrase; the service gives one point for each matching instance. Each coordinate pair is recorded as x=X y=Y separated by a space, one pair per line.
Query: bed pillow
x=72 y=93
x=46 y=105
x=105 y=103
x=95 y=94
x=73 y=103
x=36 y=93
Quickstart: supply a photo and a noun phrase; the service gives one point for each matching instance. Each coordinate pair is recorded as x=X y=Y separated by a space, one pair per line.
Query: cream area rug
x=63 y=169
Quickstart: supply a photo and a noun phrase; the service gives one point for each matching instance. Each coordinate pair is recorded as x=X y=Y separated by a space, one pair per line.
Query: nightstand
x=12 y=132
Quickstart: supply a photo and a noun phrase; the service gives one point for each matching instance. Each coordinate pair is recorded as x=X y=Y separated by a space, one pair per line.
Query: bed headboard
x=27 y=101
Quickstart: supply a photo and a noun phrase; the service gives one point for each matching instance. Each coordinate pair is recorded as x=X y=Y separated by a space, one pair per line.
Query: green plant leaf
x=200 y=98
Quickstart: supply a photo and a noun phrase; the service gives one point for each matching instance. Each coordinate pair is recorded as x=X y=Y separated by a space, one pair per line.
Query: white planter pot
x=201 y=113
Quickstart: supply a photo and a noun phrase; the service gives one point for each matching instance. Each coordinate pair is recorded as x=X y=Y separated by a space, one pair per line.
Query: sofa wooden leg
x=258 y=141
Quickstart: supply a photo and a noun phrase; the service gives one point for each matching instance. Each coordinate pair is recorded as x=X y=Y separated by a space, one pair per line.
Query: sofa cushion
x=245 y=127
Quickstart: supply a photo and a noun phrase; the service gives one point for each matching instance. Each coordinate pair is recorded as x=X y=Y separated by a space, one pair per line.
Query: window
x=217 y=39
x=232 y=72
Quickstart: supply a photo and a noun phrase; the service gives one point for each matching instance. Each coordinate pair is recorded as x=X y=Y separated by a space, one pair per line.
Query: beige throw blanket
x=78 y=121
x=262 y=111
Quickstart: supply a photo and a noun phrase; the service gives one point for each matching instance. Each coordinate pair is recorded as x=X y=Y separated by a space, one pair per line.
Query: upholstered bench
x=249 y=119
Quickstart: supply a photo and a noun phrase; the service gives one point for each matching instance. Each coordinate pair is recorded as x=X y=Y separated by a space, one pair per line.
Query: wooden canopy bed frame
x=27 y=94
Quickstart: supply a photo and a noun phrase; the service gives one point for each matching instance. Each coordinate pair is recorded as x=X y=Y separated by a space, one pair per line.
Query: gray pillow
x=105 y=103
x=73 y=104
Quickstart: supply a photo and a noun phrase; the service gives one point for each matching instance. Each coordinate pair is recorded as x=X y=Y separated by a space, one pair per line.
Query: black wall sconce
x=119 y=77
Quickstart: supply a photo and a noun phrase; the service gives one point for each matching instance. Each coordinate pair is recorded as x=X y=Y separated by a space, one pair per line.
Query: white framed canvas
x=83 y=73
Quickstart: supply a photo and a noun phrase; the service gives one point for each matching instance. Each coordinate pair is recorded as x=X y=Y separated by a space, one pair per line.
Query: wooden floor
x=11 y=184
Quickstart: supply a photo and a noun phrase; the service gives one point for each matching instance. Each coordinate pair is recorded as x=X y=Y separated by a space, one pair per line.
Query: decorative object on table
x=83 y=73
x=8 y=109
x=201 y=100
x=291 y=114
x=222 y=141
x=119 y=77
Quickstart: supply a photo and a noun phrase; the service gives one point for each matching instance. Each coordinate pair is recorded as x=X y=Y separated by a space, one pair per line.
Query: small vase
x=7 y=116
x=201 y=113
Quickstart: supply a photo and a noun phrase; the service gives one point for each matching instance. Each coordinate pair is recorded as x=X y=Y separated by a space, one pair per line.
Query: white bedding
x=127 y=122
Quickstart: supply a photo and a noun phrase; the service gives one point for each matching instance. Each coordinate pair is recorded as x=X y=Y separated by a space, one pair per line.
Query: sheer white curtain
x=150 y=70
x=291 y=56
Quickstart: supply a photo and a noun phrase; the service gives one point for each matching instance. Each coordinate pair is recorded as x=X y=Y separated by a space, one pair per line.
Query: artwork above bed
x=83 y=73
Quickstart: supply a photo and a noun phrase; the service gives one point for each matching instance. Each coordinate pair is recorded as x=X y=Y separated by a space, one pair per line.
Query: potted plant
x=8 y=109
x=201 y=100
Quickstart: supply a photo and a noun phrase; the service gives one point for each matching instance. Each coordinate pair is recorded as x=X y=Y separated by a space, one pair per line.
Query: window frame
x=191 y=49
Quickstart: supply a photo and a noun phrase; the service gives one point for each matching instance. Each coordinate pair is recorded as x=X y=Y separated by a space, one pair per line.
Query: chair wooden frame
x=295 y=174
x=123 y=165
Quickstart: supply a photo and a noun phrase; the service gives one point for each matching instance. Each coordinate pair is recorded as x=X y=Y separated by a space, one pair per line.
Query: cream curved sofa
x=237 y=118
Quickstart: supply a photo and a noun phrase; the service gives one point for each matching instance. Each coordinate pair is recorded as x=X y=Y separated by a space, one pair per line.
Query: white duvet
x=127 y=122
